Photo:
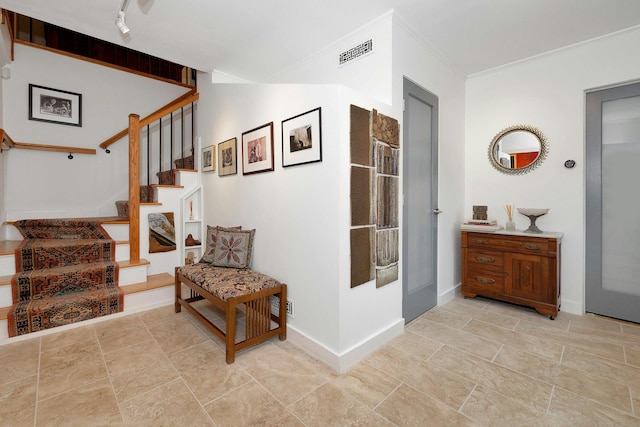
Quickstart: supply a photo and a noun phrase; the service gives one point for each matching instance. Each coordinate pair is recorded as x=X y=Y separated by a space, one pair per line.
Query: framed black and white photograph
x=257 y=150
x=227 y=156
x=55 y=106
x=302 y=139
x=208 y=159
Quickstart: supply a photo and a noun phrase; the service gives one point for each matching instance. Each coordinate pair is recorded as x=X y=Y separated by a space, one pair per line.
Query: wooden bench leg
x=178 y=292
x=231 y=331
x=283 y=313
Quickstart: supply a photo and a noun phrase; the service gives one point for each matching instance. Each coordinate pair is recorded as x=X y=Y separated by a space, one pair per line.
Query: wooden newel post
x=134 y=187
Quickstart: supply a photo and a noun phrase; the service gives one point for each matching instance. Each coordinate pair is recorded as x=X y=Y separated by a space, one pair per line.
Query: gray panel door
x=420 y=188
x=613 y=202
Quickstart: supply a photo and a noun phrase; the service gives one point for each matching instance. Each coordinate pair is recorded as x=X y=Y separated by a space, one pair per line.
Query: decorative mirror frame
x=544 y=149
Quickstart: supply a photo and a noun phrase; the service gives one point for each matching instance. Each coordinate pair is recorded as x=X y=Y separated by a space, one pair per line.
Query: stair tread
x=129 y=263
x=154 y=281
x=8 y=247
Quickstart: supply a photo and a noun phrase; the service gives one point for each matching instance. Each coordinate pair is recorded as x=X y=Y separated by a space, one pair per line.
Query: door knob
x=437 y=211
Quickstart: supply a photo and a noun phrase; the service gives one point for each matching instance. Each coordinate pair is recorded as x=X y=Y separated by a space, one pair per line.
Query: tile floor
x=470 y=362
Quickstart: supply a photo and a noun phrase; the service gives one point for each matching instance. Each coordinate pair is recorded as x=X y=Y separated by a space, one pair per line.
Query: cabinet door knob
x=485 y=259
x=484 y=280
x=476 y=240
x=532 y=246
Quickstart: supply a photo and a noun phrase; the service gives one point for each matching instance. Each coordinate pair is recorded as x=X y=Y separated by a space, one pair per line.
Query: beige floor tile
x=18 y=402
x=582 y=342
x=635 y=399
x=157 y=314
x=446 y=317
x=280 y=373
x=171 y=404
x=92 y=405
x=631 y=329
x=175 y=333
x=601 y=366
x=138 y=369
x=204 y=369
x=409 y=407
x=121 y=332
x=70 y=367
x=531 y=315
x=568 y=409
x=366 y=384
x=497 y=319
x=22 y=357
x=525 y=342
x=250 y=405
x=603 y=332
x=422 y=375
x=521 y=387
x=461 y=340
x=576 y=381
x=416 y=345
x=489 y=408
x=86 y=334
x=478 y=302
x=331 y=406
x=632 y=355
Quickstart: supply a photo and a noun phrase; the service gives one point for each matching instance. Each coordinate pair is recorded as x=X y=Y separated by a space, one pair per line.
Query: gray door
x=613 y=202
x=420 y=188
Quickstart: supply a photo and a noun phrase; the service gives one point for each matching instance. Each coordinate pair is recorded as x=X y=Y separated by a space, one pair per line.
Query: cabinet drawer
x=507 y=243
x=487 y=258
x=487 y=278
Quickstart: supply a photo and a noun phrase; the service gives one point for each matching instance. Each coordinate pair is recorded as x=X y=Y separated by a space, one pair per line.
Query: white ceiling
x=255 y=39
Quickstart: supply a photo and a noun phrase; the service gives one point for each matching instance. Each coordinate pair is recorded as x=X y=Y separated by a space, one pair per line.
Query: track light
x=70 y=156
x=120 y=23
x=120 y=18
x=107 y=151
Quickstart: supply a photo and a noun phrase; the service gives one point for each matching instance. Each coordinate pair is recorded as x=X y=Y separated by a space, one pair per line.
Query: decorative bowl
x=533 y=214
x=532 y=211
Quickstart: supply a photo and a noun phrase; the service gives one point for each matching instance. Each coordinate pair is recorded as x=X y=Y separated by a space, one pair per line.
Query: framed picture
x=302 y=139
x=55 y=106
x=208 y=159
x=257 y=150
x=227 y=157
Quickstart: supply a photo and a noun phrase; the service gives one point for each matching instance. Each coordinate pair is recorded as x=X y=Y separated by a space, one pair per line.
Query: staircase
x=147 y=283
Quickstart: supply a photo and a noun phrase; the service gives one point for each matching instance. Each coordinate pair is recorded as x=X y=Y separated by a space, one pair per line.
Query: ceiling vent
x=355 y=52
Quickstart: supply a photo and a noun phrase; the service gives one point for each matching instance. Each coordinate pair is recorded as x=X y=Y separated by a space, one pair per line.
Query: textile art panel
x=162 y=234
x=375 y=193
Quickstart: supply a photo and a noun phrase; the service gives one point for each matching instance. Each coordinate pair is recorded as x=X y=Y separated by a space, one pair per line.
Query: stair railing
x=136 y=125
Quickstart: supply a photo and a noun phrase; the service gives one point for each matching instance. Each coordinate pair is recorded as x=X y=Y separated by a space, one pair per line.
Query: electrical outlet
x=290 y=307
x=275 y=305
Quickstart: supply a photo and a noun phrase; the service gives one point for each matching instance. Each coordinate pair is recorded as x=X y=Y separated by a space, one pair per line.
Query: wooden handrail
x=167 y=108
x=6 y=140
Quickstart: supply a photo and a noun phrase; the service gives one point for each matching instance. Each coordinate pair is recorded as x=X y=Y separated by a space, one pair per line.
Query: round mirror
x=518 y=149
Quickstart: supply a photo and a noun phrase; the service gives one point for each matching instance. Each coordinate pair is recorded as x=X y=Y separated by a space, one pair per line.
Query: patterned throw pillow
x=212 y=233
x=233 y=248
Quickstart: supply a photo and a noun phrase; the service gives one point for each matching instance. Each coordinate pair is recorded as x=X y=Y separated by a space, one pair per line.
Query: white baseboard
x=342 y=362
x=449 y=295
x=570 y=306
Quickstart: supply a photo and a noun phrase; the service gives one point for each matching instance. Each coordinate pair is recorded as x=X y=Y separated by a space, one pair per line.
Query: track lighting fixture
x=70 y=156
x=107 y=151
x=120 y=18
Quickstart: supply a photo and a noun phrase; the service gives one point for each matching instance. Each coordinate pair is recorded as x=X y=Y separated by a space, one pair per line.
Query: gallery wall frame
x=208 y=159
x=227 y=157
x=302 y=138
x=257 y=150
x=55 y=106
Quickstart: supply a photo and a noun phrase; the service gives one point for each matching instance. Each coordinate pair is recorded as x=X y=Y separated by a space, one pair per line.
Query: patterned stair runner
x=66 y=273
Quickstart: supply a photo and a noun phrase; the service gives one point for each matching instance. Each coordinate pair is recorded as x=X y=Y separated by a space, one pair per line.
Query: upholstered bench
x=227 y=288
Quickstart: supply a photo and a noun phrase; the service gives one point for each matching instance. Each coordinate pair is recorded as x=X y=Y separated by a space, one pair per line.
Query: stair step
x=154 y=281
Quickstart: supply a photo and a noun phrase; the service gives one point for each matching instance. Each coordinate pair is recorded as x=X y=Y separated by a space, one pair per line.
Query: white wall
x=88 y=185
x=546 y=92
x=301 y=213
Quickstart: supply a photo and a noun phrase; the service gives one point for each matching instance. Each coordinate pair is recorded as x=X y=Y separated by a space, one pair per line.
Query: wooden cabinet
x=513 y=266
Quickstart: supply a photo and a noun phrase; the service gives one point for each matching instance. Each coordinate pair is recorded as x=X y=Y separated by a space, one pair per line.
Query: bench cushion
x=227 y=282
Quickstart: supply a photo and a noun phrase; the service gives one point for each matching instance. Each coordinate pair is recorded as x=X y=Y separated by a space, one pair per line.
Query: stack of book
x=481 y=225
